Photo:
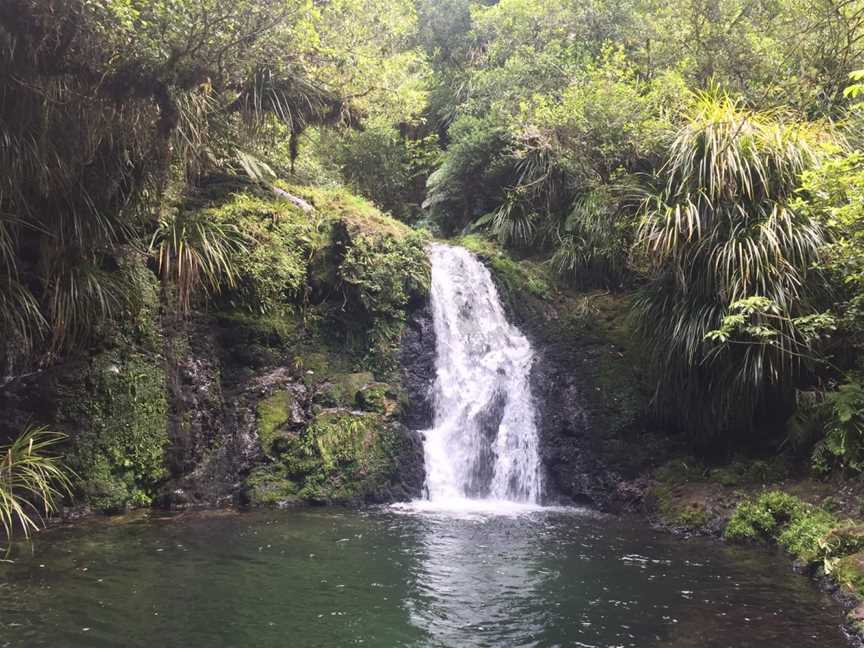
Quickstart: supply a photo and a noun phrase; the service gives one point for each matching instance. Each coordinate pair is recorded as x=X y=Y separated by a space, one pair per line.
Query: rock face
x=417 y=362
x=262 y=416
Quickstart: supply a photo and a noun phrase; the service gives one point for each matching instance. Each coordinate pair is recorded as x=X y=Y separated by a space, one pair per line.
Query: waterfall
x=483 y=443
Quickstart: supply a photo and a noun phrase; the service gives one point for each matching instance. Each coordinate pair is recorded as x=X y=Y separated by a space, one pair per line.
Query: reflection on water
x=478 y=580
x=402 y=578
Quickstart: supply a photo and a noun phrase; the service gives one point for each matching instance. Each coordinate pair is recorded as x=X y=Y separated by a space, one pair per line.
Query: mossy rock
x=269 y=485
x=342 y=456
x=680 y=511
x=849 y=574
x=344 y=438
x=279 y=330
x=275 y=414
x=342 y=389
x=116 y=410
x=516 y=277
x=377 y=397
x=143 y=326
x=318 y=366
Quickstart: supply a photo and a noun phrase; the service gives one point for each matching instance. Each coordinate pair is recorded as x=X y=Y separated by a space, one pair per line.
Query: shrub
x=763 y=518
x=807 y=532
x=842 y=415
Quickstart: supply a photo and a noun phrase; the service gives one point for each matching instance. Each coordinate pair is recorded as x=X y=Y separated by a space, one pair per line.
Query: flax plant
x=719 y=228
x=32 y=480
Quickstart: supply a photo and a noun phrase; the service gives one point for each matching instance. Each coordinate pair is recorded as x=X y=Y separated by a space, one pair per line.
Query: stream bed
x=401 y=577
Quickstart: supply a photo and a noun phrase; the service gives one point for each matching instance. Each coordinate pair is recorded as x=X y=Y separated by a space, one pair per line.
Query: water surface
x=389 y=577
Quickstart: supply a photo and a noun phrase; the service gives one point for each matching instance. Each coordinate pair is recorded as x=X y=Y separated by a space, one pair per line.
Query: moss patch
x=377 y=397
x=116 y=410
x=341 y=389
x=342 y=456
x=274 y=412
x=681 y=509
x=268 y=485
x=515 y=276
x=346 y=271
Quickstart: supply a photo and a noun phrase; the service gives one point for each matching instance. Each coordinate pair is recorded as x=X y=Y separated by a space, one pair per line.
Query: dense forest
x=218 y=224
x=166 y=158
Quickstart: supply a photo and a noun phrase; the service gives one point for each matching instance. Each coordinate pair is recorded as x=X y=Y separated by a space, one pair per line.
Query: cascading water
x=483 y=444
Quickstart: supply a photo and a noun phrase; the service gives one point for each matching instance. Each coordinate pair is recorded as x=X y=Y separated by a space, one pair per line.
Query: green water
x=309 y=578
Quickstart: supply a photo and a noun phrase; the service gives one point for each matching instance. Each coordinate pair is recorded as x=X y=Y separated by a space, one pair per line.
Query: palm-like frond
x=32 y=479
x=21 y=320
x=718 y=229
x=513 y=225
x=80 y=298
x=592 y=246
x=195 y=251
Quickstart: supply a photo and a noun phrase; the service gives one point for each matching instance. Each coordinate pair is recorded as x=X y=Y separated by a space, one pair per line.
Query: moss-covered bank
x=283 y=387
x=819 y=524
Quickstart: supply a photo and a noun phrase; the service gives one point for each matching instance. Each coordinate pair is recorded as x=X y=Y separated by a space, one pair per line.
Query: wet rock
x=410 y=466
x=417 y=362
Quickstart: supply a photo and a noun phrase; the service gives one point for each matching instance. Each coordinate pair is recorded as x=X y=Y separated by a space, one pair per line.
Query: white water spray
x=483 y=444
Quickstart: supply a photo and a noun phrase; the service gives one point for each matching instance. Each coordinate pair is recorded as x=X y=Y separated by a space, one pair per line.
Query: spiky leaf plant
x=195 y=251
x=81 y=297
x=718 y=229
x=593 y=242
x=32 y=480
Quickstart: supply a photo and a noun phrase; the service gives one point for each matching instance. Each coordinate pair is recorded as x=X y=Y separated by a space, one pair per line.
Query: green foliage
x=841 y=415
x=594 y=247
x=720 y=229
x=856 y=89
x=763 y=519
x=196 y=252
x=470 y=180
x=805 y=536
x=32 y=480
x=382 y=276
x=811 y=534
x=848 y=571
x=342 y=389
x=155 y=97
x=117 y=412
x=748 y=523
x=385 y=166
x=337 y=267
x=554 y=118
x=270 y=270
x=561 y=116
x=341 y=456
x=833 y=193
